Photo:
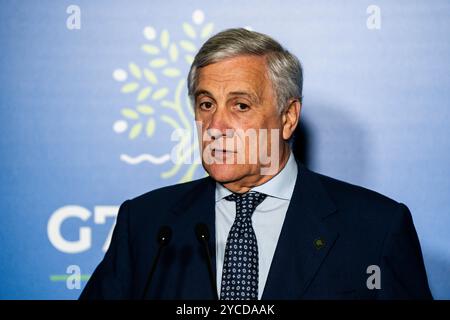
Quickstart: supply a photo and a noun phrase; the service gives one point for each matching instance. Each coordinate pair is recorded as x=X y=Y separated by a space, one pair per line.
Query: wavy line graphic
x=144 y=157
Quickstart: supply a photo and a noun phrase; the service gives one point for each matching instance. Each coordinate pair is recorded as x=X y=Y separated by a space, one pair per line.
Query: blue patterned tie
x=240 y=266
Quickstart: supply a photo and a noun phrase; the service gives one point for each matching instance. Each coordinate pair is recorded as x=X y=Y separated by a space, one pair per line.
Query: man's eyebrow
x=253 y=97
x=202 y=92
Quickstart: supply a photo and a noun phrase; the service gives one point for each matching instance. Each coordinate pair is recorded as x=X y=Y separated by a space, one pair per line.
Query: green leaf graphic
x=143 y=94
x=173 y=52
x=130 y=87
x=159 y=94
x=189 y=30
x=150 y=127
x=164 y=39
x=145 y=109
x=171 y=121
x=158 y=63
x=163 y=53
x=207 y=30
x=130 y=113
x=135 y=130
x=171 y=72
x=135 y=71
x=188 y=45
x=150 y=76
x=148 y=48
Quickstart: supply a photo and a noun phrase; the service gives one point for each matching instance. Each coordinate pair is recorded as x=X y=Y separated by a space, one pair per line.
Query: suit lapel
x=304 y=240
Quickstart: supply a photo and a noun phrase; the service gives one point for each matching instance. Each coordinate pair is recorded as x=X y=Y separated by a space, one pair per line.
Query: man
x=277 y=230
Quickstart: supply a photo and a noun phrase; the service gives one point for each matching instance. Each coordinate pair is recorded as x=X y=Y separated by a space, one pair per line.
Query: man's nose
x=219 y=125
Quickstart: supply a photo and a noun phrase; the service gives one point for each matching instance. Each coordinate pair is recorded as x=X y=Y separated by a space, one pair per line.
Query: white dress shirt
x=267 y=220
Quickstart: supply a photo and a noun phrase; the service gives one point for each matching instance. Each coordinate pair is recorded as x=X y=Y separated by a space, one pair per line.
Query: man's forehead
x=237 y=76
x=252 y=89
x=244 y=65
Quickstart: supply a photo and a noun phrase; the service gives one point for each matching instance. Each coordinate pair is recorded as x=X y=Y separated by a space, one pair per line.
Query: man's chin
x=224 y=173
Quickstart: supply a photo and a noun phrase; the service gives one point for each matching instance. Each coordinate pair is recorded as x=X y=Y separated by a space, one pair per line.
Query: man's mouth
x=222 y=151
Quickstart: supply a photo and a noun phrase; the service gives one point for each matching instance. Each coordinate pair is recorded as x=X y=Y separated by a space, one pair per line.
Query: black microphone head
x=164 y=235
x=202 y=232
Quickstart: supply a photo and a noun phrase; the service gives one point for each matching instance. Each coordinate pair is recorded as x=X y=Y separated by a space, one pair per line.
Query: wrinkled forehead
x=238 y=74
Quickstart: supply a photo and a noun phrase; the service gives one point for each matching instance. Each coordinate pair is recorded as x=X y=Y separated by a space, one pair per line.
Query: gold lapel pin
x=319 y=243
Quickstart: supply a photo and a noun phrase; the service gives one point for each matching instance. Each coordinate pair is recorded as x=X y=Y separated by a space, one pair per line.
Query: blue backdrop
x=91 y=92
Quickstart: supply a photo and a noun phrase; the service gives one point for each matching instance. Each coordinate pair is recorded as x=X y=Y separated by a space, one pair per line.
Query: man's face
x=232 y=96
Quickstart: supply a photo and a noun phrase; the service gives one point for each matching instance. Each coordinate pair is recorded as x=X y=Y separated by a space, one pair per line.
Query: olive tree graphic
x=152 y=99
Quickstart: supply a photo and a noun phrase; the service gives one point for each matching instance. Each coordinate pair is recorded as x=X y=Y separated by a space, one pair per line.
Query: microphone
x=163 y=238
x=202 y=233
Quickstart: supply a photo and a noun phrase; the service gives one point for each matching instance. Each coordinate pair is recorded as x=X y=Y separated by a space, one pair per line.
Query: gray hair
x=284 y=69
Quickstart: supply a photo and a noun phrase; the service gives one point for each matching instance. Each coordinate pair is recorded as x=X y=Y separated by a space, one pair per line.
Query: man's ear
x=290 y=118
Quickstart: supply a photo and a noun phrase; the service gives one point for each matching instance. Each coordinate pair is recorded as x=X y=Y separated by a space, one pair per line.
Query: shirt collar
x=279 y=186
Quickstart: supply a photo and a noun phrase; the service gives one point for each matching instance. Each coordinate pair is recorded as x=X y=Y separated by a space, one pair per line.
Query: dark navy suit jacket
x=332 y=232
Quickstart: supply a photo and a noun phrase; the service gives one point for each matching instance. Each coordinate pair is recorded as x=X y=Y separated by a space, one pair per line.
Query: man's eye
x=205 y=105
x=242 y=106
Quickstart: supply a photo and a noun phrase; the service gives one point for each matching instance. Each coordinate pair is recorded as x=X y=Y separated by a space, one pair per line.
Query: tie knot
x=246 y=203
